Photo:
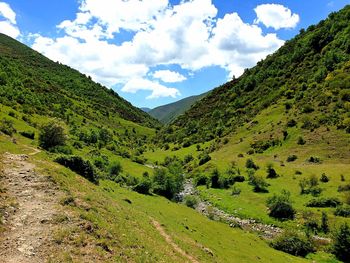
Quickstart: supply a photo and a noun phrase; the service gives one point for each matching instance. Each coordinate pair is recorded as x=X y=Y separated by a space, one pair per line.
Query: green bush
x=115 y=169
x=204 y=158
x=343 y=211
x=251 y=165
x=236 y=190
x=144 y=186
x=301 y=141
x=191 y=201
x=344 y=188
x=324 y=178
x=324 y=202
x=167 y=182
x=28 y=134
x=80 y=166
x=293 y=243
x=341 y=247
x=271 y=172
x=292 y=158
x=6 y=127
x=280 y=206
x=64 y=149
x=258 y=183
x=52 y=134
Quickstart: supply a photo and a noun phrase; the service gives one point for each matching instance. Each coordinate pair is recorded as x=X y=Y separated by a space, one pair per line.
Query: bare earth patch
x=29 y=222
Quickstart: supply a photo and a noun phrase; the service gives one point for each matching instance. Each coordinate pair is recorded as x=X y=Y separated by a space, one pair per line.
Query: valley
x=257 y=170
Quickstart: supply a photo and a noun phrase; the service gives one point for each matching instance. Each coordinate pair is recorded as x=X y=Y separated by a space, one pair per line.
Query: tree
x=114 y=170
x=51 y=135
x=341 y=245
x=324 y=223
x=280 y=206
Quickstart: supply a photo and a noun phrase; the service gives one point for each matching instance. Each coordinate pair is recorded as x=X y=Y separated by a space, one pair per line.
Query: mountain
x=169 y=112
x=309 y=74
x=146 y=109
x=32 y=82
x=72 y=166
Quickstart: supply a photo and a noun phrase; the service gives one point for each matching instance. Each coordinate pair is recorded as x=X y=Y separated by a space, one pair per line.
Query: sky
x=154 y=52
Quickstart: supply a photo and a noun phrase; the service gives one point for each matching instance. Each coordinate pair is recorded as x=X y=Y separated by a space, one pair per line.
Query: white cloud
x=238 y=45
x=8 y=26
x=8 y=29
x=7 y=12
x=276 y=16
x=157 y=89
x=168 y=76
x=187 y=34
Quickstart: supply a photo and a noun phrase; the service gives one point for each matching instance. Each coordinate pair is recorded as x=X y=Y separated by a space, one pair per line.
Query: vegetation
x=341 y=245
x=280 y=206
x=52 y=135
x=294 y=243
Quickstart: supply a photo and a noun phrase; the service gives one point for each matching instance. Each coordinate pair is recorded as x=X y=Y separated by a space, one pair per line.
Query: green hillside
x=170 y=112
x=38 y=85
x=100 y=216
x=258 y=170
x=309 y=74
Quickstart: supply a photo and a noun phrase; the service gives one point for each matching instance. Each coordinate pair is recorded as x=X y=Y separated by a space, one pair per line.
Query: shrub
x=324 y=202
x=167 y=183
x=80 y=166
x=271 y=172
x=191 y=201
x=344 y=188
x=204 y=158
x=343 y=211
x=324 y=223
x=201 y=180
x=258 y=183
x=144 y=186
x=236 y=191
x=280 y=206
x=101 y=162
x=64 y=149
x=114 y=170
x=293 y=243
x=341 y=247
x=301 y=141
x=51 y=135
x=188 y=158
x=239 y=178
x=251 y=165
x=324 y=178
x=6 y=127
x=214 y=178
x=314 y=159
x=291 y=123
x=292 y=158
x=28 y=134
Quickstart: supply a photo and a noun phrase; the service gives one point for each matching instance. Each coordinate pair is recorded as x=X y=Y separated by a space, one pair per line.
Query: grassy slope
x=125 y=229
x=169 y=112
x=300 y=71
x=36 y=84
x=335 y=158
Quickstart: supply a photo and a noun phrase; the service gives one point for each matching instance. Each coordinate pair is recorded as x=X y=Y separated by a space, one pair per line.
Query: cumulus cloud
x=188 y=34
x=157 y=89
x=168 y=76
x=276 y=16
x=8 y=26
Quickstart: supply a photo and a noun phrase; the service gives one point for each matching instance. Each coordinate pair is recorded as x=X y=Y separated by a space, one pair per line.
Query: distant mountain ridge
x=169 y=112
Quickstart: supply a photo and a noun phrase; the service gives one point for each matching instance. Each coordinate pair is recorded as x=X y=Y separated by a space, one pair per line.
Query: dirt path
x=169 y=240
x=30 y=221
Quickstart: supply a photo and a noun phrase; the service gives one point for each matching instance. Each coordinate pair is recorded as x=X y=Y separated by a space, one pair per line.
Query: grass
x=122 y=231
x=331 y=146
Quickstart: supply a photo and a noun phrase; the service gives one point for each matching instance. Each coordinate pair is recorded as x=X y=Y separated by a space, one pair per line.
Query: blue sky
x=154 y=52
